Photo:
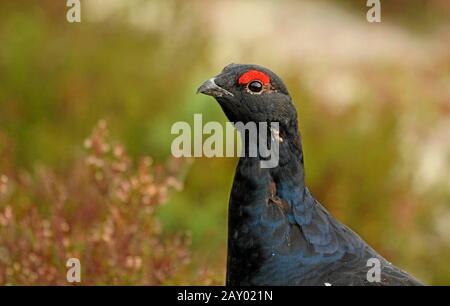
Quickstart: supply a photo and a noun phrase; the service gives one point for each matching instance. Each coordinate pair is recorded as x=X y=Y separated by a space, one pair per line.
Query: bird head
x=251 y=93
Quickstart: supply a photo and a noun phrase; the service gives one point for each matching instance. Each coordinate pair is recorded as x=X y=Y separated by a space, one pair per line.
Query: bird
x=278 y=233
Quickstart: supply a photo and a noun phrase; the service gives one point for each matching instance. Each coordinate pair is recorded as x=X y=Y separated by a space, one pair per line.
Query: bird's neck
x=253 y=217
x=254 y=183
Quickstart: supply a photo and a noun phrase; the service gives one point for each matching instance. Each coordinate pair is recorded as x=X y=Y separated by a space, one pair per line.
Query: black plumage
x=278 y=234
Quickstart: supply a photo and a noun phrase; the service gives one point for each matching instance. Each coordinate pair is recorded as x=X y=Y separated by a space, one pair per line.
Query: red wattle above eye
x=253 y=75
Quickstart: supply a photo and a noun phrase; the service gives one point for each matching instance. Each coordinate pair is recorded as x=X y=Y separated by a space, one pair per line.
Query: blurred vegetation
x=57 y=80
x=420 y=16
x=103 y=205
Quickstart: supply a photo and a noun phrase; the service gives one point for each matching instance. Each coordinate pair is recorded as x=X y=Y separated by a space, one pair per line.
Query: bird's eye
x=255 y=86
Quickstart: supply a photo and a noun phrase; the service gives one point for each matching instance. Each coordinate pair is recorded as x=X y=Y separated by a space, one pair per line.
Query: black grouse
x=278 y=234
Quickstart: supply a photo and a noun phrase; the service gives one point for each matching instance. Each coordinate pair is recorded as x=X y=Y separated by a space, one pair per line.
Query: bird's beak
x=210 y=88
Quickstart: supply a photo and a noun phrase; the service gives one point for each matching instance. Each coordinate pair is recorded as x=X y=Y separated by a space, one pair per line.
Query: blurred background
x=86 y=110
